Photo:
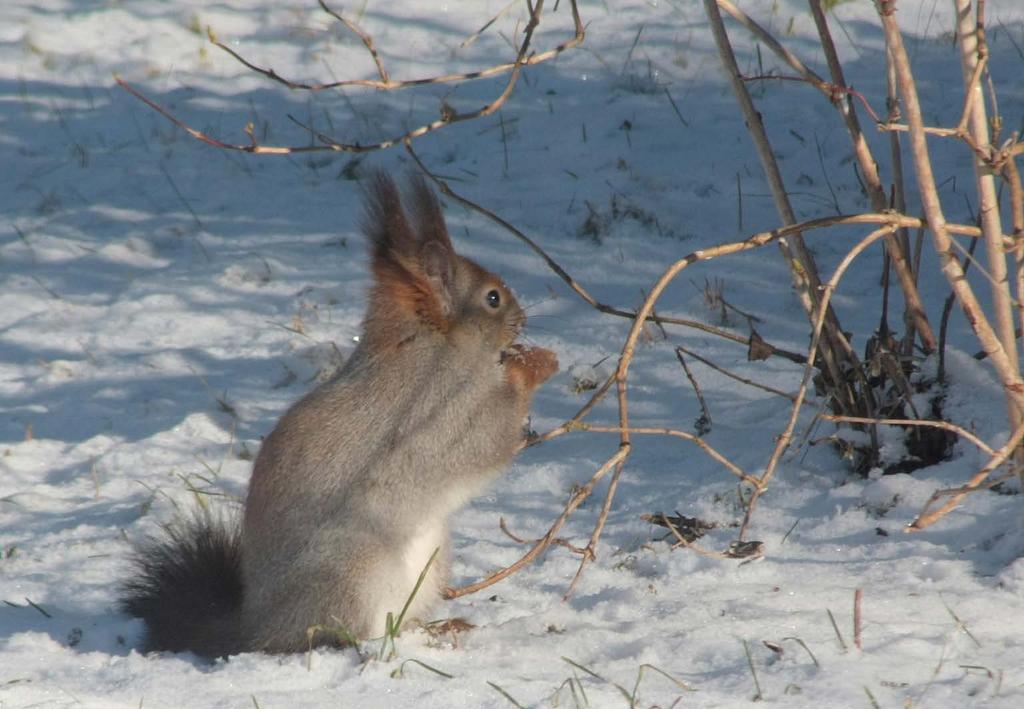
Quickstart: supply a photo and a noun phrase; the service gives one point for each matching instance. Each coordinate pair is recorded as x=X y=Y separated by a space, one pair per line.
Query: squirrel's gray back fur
x=351 y=492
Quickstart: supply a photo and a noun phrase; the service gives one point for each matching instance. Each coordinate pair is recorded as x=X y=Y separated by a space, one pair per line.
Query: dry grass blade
x=835 y=627
x=509 y=697
x=476 y=35
x=753 y=671
x=858 y=599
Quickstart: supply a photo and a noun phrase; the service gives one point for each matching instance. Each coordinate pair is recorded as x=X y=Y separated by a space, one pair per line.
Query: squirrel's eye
x=494 y=298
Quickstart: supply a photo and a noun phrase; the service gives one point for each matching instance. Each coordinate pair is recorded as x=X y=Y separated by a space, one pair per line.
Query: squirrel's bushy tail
x=187 y=587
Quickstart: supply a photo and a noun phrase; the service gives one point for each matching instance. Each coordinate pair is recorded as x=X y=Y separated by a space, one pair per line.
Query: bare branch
x=330 y=144
x=895 y=247
x=837 y=356
x=385 y=83
x=973 y=59
x=1012 y=383
x=836 y=92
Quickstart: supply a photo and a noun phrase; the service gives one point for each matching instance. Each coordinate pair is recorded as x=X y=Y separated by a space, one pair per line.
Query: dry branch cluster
x=849 y=386
x=992 y=159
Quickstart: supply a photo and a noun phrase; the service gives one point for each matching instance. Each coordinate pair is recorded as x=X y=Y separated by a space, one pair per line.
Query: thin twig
x=697 y=440
x=945 y=425
x=928 y=517
x=590 y=553
x=832 y=91
x=732 y=375
x=704 y=422
x=580 y=415
x=575 y=501
x=559 y=541
x=366 y=39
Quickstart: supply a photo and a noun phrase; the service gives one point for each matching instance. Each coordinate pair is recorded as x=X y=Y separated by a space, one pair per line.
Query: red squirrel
x=351 y=492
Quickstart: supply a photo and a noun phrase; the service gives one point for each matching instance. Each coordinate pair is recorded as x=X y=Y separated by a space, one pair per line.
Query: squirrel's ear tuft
x=436 y=255
x=414 y=269
x=384 y=220
x=426 y=212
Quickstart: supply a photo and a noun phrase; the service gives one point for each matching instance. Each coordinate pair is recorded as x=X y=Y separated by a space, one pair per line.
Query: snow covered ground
x=163 y=301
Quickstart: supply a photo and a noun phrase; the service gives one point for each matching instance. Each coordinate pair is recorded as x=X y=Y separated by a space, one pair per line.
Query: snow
x=164 y=301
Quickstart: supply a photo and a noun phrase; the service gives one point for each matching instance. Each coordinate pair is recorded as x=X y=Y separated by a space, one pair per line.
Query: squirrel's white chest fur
x=404 y=574
x=418 y=551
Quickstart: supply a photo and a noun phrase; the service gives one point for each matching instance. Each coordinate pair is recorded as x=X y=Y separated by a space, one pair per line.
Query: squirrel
x=351 y=492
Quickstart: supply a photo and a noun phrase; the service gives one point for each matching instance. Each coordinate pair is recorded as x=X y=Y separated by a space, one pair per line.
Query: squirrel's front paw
x=529 y=367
